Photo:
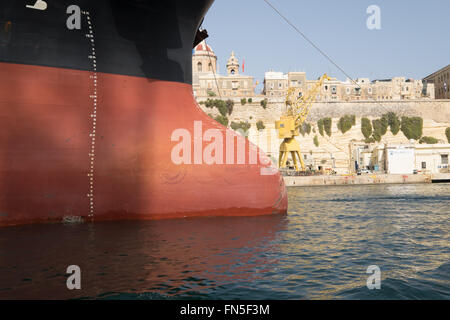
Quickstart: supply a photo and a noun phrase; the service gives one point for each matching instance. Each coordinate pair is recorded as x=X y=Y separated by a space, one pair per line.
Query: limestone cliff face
x=436 y=115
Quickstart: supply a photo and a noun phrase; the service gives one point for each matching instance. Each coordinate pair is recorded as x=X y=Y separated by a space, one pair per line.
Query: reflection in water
x=320 y=250
x=169 y=257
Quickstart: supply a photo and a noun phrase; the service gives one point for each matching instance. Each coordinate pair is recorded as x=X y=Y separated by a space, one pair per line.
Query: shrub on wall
x=379 y=127
x=222 y=120
x=320 y=126
x=316 y=141
x=366 y=128
x=412 y=128
x=327 y=123
x=305 y=128
x=260 y=125
x=264 y=103
x=243 y=101
x=224 y=107
x=346 y=123
x=244 y=126
x=393 y=122
x=230 y=104
x=428 y=140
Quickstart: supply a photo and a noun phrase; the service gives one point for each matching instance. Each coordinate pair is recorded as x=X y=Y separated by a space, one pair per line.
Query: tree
x=320 y=126
x=307 y=127
x=243 y=101
x=225 y=107
x=379 y=127
x=230 y=105
x=428 y=140
x=447 y=133
x=346 y=123
x=393 y=121
x=260 y=125
x=264 y=103
x=327 y=123
x=250 y=100
x=412 y=128
x=244 y=126
x=366 y=127
x=316 y=141
x=222 y=120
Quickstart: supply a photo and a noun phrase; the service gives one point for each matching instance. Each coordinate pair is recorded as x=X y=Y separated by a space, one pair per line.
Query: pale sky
x=413 y=41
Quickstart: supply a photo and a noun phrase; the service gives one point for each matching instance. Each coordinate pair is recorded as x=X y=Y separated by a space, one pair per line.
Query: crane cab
x=286 y=128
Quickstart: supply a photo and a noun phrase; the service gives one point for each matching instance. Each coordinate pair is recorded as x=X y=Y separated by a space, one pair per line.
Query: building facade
x=401 y=158
x=441 y=82
x=207 y=82
x=276 y=85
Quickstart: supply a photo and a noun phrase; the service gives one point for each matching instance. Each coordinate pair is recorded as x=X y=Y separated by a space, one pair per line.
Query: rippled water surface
x=320 y=250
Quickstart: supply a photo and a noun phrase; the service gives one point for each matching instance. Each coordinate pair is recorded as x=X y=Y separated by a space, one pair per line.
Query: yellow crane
x=298 y=107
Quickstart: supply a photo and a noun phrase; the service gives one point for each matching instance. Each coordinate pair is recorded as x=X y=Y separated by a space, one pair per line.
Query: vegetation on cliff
x=244 y=126
x=222 y=120
x=225 y=107
x=321 y=127
x=260 y=125
x=316 y=141
x=412 y=127
x=393 y=122
x=346 y=123
x=264 y=103
x=428 y=140
x=327 y=123
x=305 y=128
x=366 y=128
x=324 y=125
x=379 y=128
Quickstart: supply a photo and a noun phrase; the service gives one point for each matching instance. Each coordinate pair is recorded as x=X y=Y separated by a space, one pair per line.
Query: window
x=444 y=158
x=199 y=67
x=333 y=89
x=424 y=165
x=210 y=67
x=280 y=85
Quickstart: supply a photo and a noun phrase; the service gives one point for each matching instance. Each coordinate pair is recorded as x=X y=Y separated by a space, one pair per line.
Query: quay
x=325 y=180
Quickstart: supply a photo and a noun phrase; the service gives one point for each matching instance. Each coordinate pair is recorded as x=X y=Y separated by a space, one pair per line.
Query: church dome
x=203 y=48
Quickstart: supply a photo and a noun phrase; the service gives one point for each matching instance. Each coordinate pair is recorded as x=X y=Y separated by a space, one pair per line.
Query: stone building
x=441 y=81
x=399 y=88
x=207 y=82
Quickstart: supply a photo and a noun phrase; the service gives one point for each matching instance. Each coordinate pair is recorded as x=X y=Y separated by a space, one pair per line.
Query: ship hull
x=95 y=136
x=49 y=170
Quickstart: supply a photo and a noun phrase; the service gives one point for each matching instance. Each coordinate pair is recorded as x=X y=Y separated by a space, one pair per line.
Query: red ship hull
x=66 y=153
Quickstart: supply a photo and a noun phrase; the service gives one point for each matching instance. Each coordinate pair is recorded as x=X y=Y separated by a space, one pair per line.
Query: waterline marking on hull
x=91 y=38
